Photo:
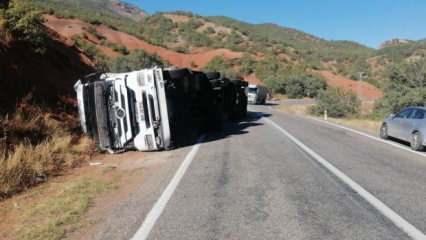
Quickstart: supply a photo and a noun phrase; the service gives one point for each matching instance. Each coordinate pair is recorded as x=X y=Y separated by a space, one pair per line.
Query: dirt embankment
x=47 y=76
x=365 y=90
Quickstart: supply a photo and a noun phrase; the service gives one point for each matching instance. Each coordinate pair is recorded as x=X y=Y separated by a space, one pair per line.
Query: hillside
x=39 y=64
x=259 y=52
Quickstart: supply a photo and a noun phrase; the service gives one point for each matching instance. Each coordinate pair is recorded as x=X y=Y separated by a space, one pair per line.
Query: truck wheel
x=416 y=142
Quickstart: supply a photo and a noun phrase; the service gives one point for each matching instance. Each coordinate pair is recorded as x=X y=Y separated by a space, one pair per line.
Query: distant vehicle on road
x=257 y=94
x=407 y=125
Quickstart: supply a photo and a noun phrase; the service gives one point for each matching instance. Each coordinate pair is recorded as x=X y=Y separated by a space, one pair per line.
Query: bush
x=24 y=23
x=220 y=64
x=247 y=64
x=406 y=87
x=337 y=102
x=91 y=51
x=136 y=60
x=116 y=47
x=299 y=86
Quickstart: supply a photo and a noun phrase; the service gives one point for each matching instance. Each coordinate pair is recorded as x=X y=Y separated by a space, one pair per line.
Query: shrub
x=406 y=87
x=24 y=23
x=299 y=86
x=92 y=30
x=220 y=64
x=116 y=47
x=91 y=51
x=136 y=60
x=337 y=102
x=247 y=64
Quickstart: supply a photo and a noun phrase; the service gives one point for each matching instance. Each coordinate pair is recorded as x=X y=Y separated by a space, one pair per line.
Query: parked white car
x=407 y=125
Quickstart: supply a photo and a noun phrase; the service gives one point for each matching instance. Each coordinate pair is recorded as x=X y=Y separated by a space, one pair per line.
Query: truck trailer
x=156 y=109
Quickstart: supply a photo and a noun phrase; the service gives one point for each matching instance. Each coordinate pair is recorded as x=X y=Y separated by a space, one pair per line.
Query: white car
x=408 y=125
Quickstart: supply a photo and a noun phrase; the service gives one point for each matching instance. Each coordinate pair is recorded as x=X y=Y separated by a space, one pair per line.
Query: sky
x=370 y=22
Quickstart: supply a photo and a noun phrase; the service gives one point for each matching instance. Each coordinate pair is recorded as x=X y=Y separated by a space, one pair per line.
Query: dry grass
x=360 y=123
x=34 y=146
x=53 y=217
x=302 y=109
x=365 y=125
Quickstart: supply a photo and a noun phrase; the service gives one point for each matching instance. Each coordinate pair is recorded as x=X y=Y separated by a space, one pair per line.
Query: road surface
x=253 y=182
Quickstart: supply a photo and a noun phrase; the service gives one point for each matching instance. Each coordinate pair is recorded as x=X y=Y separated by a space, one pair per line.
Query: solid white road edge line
x=158 y=208
x=368 y=135
x=400 y=222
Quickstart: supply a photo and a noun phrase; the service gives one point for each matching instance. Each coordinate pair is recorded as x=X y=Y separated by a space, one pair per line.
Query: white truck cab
x=125 y=110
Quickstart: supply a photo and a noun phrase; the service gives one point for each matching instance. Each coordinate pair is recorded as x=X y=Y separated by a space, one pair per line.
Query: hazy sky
x=366 y=21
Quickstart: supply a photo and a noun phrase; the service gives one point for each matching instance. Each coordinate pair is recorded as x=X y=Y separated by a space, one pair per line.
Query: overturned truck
x=156 y=109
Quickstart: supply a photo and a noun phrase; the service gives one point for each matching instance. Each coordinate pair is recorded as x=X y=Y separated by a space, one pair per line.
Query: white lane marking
x=158 y=208
x=400 y=222
x=369 y=136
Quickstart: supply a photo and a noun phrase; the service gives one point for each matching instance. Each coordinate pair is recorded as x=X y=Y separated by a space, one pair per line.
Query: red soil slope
x=48 y=77
x=365 y=90
x=70 y=27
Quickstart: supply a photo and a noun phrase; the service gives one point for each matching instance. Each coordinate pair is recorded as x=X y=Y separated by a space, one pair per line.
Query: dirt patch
x=365 y=90
x=47 y=76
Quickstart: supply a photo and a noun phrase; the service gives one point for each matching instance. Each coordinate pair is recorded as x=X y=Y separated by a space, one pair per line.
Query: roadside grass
x=36 y=145
x=365 y=125
x=296 y=109
x=53 y=217
x=363 y=122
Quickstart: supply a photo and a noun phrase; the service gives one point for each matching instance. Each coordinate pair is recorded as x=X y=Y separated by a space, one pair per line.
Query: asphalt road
x=253 y=182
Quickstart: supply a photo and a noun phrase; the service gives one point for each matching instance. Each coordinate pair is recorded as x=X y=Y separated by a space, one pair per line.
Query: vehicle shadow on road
x=404 y=143
x=232 y=128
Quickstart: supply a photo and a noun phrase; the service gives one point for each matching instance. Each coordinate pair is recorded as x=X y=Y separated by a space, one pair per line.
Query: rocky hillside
x=394 y=42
